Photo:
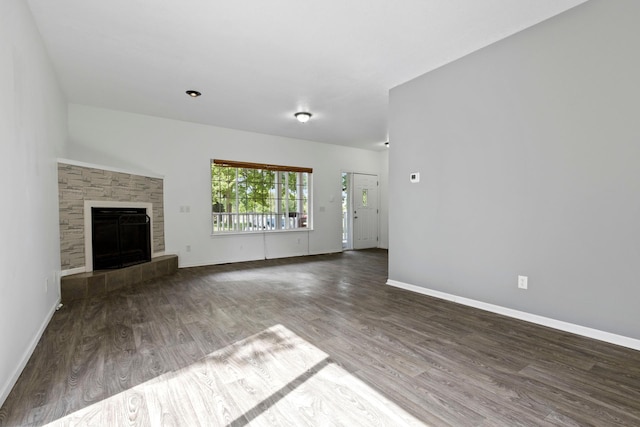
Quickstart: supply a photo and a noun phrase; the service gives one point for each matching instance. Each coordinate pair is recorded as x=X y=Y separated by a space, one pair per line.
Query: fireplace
x=120 y=237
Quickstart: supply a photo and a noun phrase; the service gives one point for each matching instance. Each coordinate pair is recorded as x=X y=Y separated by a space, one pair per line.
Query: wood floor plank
x=432 y=403
x=414 y=400
x=610 y=403
x=456 y=387
x=605 y=390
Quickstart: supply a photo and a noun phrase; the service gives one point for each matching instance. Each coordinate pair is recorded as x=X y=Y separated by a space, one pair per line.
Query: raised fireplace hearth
x=95 y=283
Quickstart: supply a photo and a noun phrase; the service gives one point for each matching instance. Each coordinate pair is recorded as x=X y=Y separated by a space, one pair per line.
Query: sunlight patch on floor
x=271 y=378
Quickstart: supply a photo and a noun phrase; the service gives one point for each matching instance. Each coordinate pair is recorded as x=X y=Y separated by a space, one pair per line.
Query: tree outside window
x=249 y=197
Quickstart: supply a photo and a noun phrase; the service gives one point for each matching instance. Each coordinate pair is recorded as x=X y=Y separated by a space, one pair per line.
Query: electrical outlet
x=188 y=248
x=523 y=282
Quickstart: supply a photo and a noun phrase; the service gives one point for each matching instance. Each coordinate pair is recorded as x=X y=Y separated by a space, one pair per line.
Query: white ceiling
x=258 y=62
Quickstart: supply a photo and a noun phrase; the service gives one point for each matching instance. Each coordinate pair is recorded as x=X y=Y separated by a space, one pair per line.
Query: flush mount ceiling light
x=303 y=116
x=193 y=93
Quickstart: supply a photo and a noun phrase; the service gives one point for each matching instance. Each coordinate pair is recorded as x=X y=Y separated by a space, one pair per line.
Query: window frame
x=280 y=195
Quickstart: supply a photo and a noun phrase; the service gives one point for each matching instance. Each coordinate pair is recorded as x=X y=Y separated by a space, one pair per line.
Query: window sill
x=263 y=232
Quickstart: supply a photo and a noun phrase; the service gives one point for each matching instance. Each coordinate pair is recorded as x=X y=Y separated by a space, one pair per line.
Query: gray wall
x=529 y=154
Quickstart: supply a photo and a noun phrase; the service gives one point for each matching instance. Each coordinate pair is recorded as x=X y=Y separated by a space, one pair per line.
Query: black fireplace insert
x=120 y=236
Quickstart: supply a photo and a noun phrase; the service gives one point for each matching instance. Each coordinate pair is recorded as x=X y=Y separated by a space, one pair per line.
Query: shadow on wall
x=81 y=153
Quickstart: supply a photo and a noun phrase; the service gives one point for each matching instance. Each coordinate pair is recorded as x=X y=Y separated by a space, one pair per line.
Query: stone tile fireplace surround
x=81 y=186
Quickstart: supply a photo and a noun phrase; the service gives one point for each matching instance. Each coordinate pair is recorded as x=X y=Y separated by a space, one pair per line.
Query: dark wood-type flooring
x=316 y=340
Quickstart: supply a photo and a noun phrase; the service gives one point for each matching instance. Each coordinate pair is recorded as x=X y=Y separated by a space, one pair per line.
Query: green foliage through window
x=249 y=197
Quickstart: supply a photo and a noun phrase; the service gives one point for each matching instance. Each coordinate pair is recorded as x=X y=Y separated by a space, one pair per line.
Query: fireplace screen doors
x=120 y=236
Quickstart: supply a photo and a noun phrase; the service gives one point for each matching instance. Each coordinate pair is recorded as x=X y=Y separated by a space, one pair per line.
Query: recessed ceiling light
x=193 y=93
x=303 y=116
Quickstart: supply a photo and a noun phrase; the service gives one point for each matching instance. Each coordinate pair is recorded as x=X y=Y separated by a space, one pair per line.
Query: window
x=248 y=197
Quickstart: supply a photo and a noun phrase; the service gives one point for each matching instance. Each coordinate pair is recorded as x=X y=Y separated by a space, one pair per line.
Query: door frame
x=348 y=245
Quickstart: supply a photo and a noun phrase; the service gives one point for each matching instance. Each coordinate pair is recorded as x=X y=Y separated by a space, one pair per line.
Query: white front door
x=365 y=211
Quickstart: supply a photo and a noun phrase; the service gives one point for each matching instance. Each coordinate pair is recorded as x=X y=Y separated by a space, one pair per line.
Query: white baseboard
x=528 y=317
x=238 y=260
x=6 y=388
x=216 y=262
